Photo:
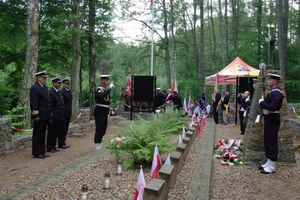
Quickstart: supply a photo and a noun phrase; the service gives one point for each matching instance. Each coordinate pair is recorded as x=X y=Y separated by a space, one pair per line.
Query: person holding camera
x=244 y=100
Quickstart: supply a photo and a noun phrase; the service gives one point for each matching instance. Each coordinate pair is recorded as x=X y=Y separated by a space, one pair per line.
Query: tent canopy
x=227 y=76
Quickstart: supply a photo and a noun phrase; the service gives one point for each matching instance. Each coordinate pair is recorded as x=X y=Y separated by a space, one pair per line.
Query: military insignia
x=35 y=112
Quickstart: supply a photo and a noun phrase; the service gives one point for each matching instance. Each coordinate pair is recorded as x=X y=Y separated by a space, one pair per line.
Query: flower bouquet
x=118 y=142
x=229 y=152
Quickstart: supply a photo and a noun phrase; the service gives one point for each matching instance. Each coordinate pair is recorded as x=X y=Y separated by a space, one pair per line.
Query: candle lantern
x=119 y=168
x=84 y=193
x=107 y=181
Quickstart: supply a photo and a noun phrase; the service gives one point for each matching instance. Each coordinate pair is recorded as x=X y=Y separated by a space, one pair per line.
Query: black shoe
x=63 y=147
x=265 y=172
x=260 y=167
x=67 y=146
x=46 y=155
x=51 y=150
x=57 y=150
x=39 y=156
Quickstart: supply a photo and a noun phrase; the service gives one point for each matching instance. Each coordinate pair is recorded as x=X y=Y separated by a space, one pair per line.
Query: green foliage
x=16 y=115
x=139 y=142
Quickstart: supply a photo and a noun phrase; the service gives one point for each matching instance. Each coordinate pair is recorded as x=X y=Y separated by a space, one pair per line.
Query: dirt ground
x=18 y=169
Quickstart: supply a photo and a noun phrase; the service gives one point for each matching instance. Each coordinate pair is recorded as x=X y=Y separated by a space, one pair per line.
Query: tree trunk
x=166 y=44
x=226 y=31
x=214 y=37
x=173 y=37
x=92 y=55
x=282 y=20
x=221 y=35
x=194 y=54
x=201 y=51
x=234 y=24
x=76 y=46
x=32 y=45
x=259 y=32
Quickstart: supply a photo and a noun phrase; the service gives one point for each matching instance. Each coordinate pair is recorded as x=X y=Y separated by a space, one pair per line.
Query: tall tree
x=32 y=45
x=213 y=35
x=222 y=34
x=92 y=55
x=173 y=36
x=258 y=24
x=282 y=9
x=226 y=30
x=201 y=50
x=76 y=49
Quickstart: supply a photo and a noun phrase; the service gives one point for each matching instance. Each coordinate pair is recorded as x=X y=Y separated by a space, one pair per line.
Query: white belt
x=103 y=105
x=267 y=112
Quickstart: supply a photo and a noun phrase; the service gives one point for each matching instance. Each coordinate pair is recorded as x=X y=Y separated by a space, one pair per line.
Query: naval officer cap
x=42 y=74
x=57 y=79
x=158 y=89
x=274 y=76
x=66 y=80
x=104 y=76
x=254 y=79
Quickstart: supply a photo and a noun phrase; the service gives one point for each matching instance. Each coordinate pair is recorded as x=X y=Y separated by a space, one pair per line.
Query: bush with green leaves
x=137 y=144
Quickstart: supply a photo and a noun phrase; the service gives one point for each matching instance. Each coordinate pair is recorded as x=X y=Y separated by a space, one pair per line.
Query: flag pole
x=151 y=73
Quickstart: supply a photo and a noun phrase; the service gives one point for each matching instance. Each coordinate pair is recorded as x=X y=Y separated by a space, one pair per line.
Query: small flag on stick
x=155 y=163
x=141 y=184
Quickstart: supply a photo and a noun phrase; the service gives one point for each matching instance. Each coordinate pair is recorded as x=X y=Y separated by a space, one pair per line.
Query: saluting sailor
x=39 y=105
x=271 y=106
x=101 y=109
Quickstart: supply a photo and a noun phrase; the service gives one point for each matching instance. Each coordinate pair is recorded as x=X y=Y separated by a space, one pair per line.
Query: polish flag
x=184 y=105
x=212 y=96
x=128 y=90
x=168 y=160
x=203 y=120
x=141 y=184
x=174 y=88
x=183 y=132
x=155 y=163
x=180 y=140
x=140 y=197
x=199 y=130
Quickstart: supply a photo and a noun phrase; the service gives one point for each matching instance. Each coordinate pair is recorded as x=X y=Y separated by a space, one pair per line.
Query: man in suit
x=215 y=106
x=159 y=98
x=40 y=114
x=67 y=97
x=101 y=109
x=224 y=102
x=55 y=128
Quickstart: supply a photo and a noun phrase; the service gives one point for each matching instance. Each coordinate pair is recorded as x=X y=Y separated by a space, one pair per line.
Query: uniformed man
x=215 y=106
x=101 y=109
x=39 y=104
x=271 y=106
x=224 y=103
x=55 y=128
x=68 y=98
x=159 y=98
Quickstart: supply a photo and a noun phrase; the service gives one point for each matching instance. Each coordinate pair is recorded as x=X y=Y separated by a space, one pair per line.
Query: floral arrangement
x=118 y=142
x=229 y=152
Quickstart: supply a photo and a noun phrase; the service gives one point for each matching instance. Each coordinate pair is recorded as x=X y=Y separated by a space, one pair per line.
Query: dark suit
x=39 y=103
x=67 y=113
x=55 y=129
x=176 y=101
x=159 y=99
x=217 y=99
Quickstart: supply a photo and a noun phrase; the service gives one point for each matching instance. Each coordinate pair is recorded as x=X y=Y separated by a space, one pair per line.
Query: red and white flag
x=183 y=132
x=184 y=104
x=141 y=184
x=168 y=160
x=128 y=89
x=212 y=96
x=141 y=193
x=155 y=163
x=199 y=130
x=174 y=88
x=180 y=140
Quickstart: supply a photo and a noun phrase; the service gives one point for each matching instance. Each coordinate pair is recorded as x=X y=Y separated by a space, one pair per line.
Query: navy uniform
x=68 y=98
x=159 y=98
x=55 y=129
x=39 y=105
x=101 y=109
x=271 y=106
x=215 y=107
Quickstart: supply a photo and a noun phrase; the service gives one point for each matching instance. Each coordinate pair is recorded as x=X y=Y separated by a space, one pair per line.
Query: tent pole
x=236 y=92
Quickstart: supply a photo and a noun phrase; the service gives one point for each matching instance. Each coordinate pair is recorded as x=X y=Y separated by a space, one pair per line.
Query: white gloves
x=257 y=119
x=244 y=114
x=260 y=100
x=247 y=99
x=111 y=86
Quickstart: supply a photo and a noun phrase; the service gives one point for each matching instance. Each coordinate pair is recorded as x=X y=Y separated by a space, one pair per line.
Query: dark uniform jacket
x=225 y=101
x=159 y=99
x=39 y=102
x=102 y=97
x=67 y=97
x=56 y=105
x=177 y=101
x=273 y=100
x=217 y=99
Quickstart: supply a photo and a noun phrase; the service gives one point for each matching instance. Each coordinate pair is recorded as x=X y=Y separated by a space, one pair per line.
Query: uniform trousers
x=63 y=135
x=54 y=130
x=100 y=115
x=242 y=124
x=216 y=116
x=271 y=128
x=38 y=137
